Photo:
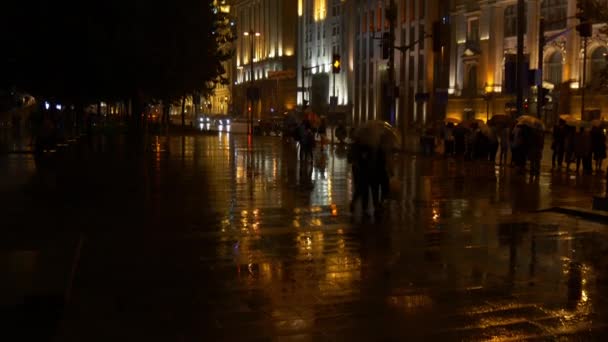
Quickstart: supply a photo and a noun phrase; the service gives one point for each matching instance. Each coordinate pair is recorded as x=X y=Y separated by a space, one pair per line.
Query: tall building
x=322 y=35
x=267 y=40
x=354 y=30
x=485 y=39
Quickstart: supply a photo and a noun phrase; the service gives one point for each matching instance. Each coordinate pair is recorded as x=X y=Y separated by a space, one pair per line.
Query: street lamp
x=251 y=34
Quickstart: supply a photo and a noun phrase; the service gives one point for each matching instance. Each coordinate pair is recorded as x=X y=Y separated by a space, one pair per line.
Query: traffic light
x=336 y=64
x=584 y=29
x=543 y=96
x=386 y=45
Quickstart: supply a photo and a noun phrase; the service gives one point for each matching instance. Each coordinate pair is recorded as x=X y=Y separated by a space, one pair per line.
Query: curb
x=588 y=214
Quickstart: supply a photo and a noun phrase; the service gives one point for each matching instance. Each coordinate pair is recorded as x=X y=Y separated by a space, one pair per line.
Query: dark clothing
x=379 y=179
x=598 y=143
x=460 y=140
x=558 y=145
x=360 y=157
x=582 y=150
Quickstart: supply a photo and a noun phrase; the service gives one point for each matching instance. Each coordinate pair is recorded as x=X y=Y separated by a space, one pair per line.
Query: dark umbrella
x=500 y=120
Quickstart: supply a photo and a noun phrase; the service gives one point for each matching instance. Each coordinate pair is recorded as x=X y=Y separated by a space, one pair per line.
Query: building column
x=531 y=42
x=497 y=38
x=573 y=47
x=486 y=61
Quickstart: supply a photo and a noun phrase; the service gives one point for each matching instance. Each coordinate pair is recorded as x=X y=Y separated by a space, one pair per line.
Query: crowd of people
x=581 y=147
x=519 y=144
x=572 y=144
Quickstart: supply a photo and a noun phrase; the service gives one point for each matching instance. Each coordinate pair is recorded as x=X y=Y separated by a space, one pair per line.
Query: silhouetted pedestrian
x=559 y=144
x=448 y=141
x=598 y=147
x=582 y=150
x=492 y=144
x=535 y=142
x=569 y=143
x=379 y=179
x=307 y=145
x=504 y=145
x=460 y=134
x=360 y=158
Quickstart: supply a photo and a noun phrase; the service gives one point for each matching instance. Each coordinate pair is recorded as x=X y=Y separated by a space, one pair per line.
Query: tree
x=83 y=52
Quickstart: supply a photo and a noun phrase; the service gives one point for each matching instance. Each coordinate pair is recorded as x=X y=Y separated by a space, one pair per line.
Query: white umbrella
x=531 y=122
x=377 y=133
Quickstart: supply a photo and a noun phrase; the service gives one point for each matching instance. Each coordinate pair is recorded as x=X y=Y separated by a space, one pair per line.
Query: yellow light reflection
x=320 y=9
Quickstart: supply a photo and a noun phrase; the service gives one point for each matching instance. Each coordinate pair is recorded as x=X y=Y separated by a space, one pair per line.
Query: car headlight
x=227 y=122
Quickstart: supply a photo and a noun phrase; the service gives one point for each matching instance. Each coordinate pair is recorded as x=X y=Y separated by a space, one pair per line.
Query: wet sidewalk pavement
x=202 y=238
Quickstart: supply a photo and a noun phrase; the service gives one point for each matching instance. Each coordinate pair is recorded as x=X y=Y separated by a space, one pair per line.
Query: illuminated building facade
x=322 y=34
x=485 y=39
x=274 y=34
x=353 y=29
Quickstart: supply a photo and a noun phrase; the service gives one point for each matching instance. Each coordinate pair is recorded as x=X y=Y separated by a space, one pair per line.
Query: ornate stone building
x=353 y=29
x=273 y=28
x=484 y=37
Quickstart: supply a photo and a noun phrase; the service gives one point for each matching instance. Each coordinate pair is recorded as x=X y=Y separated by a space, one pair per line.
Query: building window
x=555 y=13
x=553 y=68
x=511 y=20
x=473 y=29
x=422 y=9
x=371 y=21
x=335 y=10
x=335 y=31
x=597 y=64
x=421 y=37
x=412 y=35
x=471 y=81
x=411 y=69
x=336 y=49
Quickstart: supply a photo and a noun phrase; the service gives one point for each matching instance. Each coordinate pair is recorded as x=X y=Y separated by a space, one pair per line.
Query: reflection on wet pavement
x=209 y=238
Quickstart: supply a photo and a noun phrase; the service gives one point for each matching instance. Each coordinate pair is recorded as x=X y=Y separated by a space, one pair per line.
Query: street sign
x=282 y=74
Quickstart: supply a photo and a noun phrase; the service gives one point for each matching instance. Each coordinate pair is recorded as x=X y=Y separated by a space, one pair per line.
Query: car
x=222 y=120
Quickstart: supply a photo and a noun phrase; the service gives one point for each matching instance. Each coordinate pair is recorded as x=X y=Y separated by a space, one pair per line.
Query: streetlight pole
x=391 y=15
x=539 y=85
x=584 y=78
x=520 y=56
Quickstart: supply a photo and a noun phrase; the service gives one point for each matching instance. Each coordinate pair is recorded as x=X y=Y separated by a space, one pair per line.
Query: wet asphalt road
x=190 y=238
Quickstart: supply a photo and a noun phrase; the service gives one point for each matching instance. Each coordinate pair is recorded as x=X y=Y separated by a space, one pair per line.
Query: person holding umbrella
x=582 y=150
x=373 y=142
x=559 y=144
x=359 y=156
x=598 y=145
